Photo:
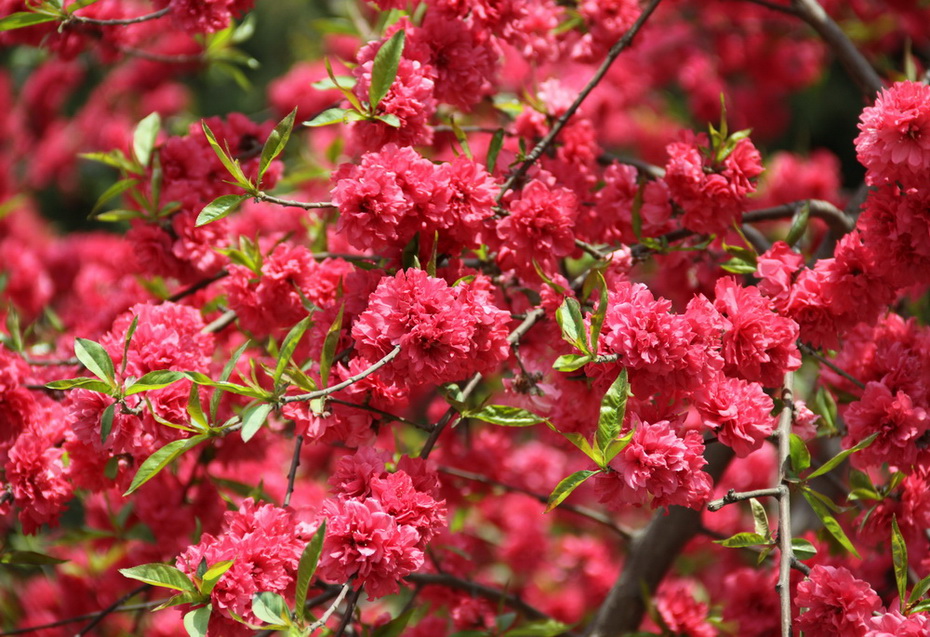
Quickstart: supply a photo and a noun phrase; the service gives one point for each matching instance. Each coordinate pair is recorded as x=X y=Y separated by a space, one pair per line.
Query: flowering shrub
x=480 y=333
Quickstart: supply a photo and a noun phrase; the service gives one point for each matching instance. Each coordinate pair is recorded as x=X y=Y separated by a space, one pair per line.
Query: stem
x=118 y=22
x=446 y=417
x=350 y=608
x=131 y=608
x=161 y=57
x=196 y=287
x=786 y=552
x=849 y=56
x=219 y=324
x=774 y=7
x=733 y=496
x=546 y=141
x=326 y=391
x=290 y=203
x=479 y=590
x=385 y=414
x=649 y=170
x=332 y=609
x=591 y=514
x=292 y=473
x=835 y=218
x=99 y=617
x=810 y=351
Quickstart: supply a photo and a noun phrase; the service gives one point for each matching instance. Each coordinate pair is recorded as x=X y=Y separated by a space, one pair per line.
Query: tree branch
x=835 y=218
x=290 y=203
x=479 y=590
x=119 y=21
x=786 y=552
x=326 y=391
x=734 y=496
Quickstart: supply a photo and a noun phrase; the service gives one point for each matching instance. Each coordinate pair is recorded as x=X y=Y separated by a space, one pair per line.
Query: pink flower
x=894 y=624
x=836 y=603
x=444 y=333
x=37 y=479
x=681 y=612
x=738 y=411
x=899 y=423
x=660 y=464
x=777 y=268
x=894 y=144
x=206 y=16
x=366 y=543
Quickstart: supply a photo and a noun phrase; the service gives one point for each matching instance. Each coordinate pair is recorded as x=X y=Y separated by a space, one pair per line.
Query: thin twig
x=131 y=608
x=849 y=56
x=546 y=141
x=591 y=514
x=350 y=609
x=775 y=7
x=67 y=362
x=118 y=21
x=479 y=590
x=219 y=324
x=810 y=351
x=196 y=287
x=326 y=391
x=332 y=609
x=292 y=473
x=734 y=496
x=835 y=218
x=786 y=552
x=386 y=414
x=650 y=170
x=164 y=58
x=290 y=203
x=99 y=617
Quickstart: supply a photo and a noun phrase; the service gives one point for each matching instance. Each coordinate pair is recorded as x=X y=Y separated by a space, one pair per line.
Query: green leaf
x=127 y=340
x=327 y=117
x=920 y=589
x=84 y=382
x=742 y=540
x=799 y=224
x=825 y=406
x=582 y=444
x=494 y=149
x=182 y=598
x=270 y=608
x=899 y=559
x=112 y=216
x=618 y=445
x=231 y=165
x=24 y=19
x=143 y=138
x=797 y=451
x=113 y=191
x=197 y=621
x=275 y=143
x=195 y=409
x=220 y=207
x=921 y=607
x=340 y=82
x=154 y=380
x=95 y=359
x=106 y=422
x=288 y=346
x=540 y=628
x=613 y=409
x=829 y=522
x=329 y=346
x=736 y=265
x=597 y=319
x=224 y=376
x=161 y=459
x=569 y=318
x=384 y=68
x=162 y=575
x=202 y=379
x=504 y=415
x=802 y=549
x=347 y=92
x=390 y=119
x=80 y=4
x=396 y=626
x=306 y=569
x=213 y=575
x=28 y=558
x=114 y=159
x=564 y=488
x=841 y=456
x=760 y=519
x=253 y=418
x=570 y=362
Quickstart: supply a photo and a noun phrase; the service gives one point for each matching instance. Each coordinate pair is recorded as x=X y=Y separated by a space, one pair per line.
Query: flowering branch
x=546 y=141
x=786 y=552
x=326 y=391
x=849 y=56
x=119 y=21
x=734 y=496
x=290 y=203
x=810 y=351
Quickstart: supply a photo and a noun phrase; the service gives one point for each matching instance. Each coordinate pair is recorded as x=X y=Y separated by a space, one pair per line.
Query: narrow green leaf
x=841 y=456
x=202 y=379
x=197 y=621
x=106 y=422
x=329 y=346
x=597 y=319
x=571 y=322
x=220 y=207
x=195 y=409
x=95 y=359
x=143 y=138
x=799 y=224
x=224 y=376
x=802 y=549
x=618 y=445
x=899 y=559
x=113 y=216
x=114 y=159
x=28 y=558
x=504 y=415
x=161 y=459
x=275 y=143
x=390 y=119
x=113 y=191
x=583 y=445
x=921 y=607
x=80 y=4
x=231 y=165
x=920 y=589
x=154 y=380
x=564 y=488
x=540 y=628
x=741 y=540
x=24 y=19
x=347 y=92
x=84 y=382
x=396 y=626
x=213 y=575
x=570 y=362
x=613 y=409
x=162 y=575
x=327 y=84
x=270 y=608
x=253 y=418
x=384 y=68
x=327 y=117
x=829 y=522
x=306 y=569
x=825 y=406
x=797 y=451
x=127 y=340
x=289 y=345
x=182 y=598
x=494 y=149
x=759 y=518
x=736 y=265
